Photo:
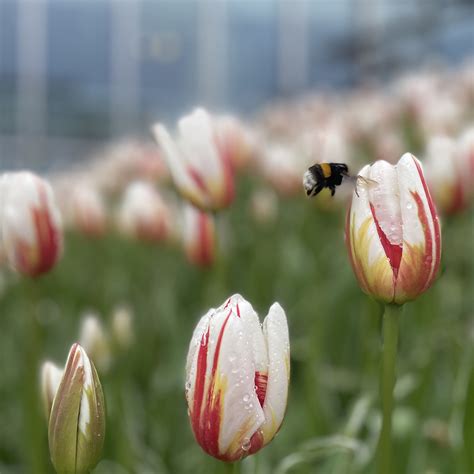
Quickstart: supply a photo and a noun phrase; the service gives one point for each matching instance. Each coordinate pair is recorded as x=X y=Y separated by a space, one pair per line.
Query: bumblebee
x=324 y=175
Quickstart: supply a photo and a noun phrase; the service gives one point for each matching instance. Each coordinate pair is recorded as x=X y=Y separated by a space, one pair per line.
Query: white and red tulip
x=237 y=379
x=30 y=223
x=87 y=211
x=202 y=173
x=143 y=214
x=77 y=421
x=450 y=171
x=199 y=236
x=393 y=232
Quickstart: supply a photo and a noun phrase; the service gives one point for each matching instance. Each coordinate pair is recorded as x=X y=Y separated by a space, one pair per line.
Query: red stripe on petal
x=392 y=251
x=207 y=421
x=198 y=179
x=199 y=386
x=434 y=219
x=261 y=381
x=427 y=263
x=40 y=256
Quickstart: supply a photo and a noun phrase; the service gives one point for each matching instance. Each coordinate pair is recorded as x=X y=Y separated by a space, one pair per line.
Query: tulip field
x=129 y=278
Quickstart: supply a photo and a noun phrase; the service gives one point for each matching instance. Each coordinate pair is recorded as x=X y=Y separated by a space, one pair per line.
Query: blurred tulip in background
x=51 y=376
x=143 y=214
x=201 y=171
x=30 y=223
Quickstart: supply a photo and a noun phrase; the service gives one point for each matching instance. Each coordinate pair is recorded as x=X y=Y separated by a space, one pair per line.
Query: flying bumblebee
x=330 y=175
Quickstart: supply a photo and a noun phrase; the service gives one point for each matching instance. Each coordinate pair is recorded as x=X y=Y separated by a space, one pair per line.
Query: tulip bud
x=237 y=377
x=31 y=227
x=77 y=421
x=450 y=171
x=88 y=211
x=143 y=214
x=199 y=236
x=95 y=342
x=51 y=376
x=392 y=232
x=235 y=142
x=122 y=328
x=201 y=173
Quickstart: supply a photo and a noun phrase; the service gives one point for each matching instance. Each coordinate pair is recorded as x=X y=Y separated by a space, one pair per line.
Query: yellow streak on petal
x=376 y=278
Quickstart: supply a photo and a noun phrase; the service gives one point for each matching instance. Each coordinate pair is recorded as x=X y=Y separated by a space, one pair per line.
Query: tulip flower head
x=77 y=420
x=51 y=376
x=143 y=214
x=237 y=377
x=88 y=212
x=30 y=223
x=393 y=233
x=202 y=174
x=450 y=171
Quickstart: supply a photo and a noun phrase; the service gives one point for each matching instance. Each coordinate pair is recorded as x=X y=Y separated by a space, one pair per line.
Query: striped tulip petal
x=230 y=364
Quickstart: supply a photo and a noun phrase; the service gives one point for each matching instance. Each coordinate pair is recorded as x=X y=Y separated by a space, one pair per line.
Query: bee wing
x=366 y=183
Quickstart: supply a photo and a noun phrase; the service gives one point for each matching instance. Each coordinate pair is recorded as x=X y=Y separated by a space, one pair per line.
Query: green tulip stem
x=389 y=357
x=233 y=468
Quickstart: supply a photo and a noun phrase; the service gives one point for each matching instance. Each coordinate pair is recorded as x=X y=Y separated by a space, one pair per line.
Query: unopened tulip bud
x=30 y=223
x=200 y=172
x=237 y=376
x=77 y=421
x=393 y=233
x=95 y=342
x=122 y=327
x=199 y=236
x=51 y=376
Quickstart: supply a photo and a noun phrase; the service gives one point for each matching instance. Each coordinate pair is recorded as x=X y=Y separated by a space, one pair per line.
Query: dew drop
x=246 y=398
x=246 y=444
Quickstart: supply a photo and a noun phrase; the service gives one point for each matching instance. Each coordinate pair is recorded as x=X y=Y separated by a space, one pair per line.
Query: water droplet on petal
x=246 y=444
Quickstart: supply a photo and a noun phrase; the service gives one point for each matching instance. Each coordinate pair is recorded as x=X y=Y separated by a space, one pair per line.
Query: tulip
x=88 y=212
x=51 y=376
x=237 y=377
x=199 y=236
x=392 y=232
x=450 y=171
x=30 y=223
x=77 y=421
x=143 y=214
x=95 y=342
x=234 y=140
x=201 y=173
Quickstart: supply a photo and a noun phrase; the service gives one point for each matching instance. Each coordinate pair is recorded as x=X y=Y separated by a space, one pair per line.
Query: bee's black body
x=324 y=175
